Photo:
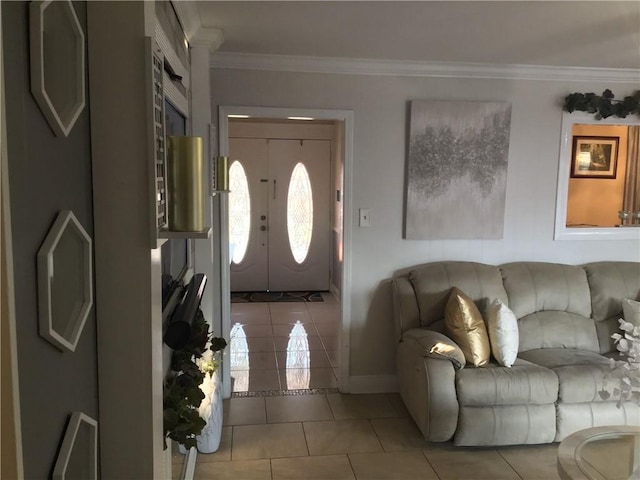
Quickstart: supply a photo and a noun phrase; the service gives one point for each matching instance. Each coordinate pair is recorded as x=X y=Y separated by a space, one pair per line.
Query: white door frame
x=345 y=116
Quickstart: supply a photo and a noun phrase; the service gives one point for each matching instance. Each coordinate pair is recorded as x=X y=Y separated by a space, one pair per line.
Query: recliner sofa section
x=566 y=315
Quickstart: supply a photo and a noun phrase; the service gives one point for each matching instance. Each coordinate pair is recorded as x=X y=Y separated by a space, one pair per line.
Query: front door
x=279 y=214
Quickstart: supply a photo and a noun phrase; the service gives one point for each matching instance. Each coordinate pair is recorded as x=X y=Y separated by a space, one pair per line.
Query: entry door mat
x=247 y=297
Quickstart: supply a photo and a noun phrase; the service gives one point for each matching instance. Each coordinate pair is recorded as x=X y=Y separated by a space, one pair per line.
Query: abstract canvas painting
x=457 y=170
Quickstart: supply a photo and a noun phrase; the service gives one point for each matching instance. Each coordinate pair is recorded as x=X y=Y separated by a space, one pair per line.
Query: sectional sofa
x=565 y=314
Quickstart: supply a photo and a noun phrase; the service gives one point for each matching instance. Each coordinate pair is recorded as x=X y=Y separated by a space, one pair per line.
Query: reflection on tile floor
x=284 y=346
x=336 y=436
x=332 y=435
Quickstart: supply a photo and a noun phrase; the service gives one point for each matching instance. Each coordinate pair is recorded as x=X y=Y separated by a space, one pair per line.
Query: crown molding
x=361 y=66
x=210 y=38
x=197 y=35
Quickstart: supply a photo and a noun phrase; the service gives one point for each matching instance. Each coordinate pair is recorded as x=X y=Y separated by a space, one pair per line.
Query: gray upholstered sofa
x=566 y=315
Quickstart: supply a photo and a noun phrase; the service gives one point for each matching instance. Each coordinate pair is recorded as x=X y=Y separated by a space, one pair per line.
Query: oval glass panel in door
x=299 y=213
x=239 y=211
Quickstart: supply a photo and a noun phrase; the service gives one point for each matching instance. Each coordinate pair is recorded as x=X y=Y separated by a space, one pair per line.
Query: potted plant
x=191 y=365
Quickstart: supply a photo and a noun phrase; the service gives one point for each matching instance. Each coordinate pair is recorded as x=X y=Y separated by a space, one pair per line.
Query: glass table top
x=601 y=453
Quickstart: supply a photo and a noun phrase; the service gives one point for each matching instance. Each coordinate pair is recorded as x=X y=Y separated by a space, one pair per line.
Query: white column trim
x=210 y=38
x=197 y=34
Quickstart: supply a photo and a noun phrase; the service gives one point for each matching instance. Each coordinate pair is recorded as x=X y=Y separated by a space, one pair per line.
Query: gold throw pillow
x=466 y=327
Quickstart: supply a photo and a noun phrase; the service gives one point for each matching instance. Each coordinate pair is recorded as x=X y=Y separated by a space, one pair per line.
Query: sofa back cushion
x=405 y=305
x=552 y=304
x=556 y=329
x=610 y=284
x=432 y=283
x=538 y=286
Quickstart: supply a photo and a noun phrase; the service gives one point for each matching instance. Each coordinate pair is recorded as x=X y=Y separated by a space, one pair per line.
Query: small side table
x=601 y=453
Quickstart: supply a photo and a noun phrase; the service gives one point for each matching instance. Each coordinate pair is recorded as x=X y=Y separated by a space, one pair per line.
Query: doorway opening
x=286 y=221
x=282 y=215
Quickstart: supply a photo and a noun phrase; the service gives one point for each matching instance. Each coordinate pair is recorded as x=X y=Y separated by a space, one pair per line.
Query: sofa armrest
x=427 y=382
x=435 y=345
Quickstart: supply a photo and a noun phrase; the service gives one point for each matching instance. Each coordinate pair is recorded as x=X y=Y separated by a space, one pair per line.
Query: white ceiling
x=562 y=33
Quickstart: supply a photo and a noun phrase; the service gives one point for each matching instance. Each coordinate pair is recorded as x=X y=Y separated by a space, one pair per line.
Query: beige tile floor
x=280 y=346
x=284 y=346
x=337 y=436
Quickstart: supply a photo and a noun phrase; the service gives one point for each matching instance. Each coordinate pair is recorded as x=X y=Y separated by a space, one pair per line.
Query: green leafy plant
x=604 y=105
x=182 y=393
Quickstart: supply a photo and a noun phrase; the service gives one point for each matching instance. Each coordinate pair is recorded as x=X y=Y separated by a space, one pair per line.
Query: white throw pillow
x=502 y=325
x=631 y=311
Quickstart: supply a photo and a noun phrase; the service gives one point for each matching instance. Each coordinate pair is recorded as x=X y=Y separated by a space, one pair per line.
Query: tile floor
x=332 y=436
x=337 y=436
x=284 y=345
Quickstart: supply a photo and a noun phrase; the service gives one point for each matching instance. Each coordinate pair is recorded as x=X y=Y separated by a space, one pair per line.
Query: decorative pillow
x=465 y=326
x=631 y=311
x=502 y=325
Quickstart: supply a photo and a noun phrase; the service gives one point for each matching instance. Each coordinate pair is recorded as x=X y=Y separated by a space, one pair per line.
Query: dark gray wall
x=47 y=174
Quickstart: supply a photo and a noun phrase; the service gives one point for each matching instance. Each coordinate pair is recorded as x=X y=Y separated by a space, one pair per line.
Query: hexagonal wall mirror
x=57 y=63
x=65 y=290
x=78 y=457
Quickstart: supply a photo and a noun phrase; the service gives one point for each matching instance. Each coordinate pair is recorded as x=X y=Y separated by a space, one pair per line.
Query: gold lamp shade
x=185 y=161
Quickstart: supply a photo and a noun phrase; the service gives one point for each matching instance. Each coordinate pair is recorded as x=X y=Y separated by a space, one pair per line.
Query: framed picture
x=594 y=157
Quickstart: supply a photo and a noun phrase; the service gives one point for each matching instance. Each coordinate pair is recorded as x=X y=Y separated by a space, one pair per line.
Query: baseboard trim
x=373 y=384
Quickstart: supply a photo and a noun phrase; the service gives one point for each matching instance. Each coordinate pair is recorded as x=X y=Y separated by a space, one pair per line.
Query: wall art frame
x=65 y=282
x=456 y=171
x=57 y=58
x=594 y=157
x=78 y=457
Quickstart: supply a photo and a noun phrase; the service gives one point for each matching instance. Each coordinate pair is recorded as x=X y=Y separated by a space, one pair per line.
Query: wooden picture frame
x=594 y=157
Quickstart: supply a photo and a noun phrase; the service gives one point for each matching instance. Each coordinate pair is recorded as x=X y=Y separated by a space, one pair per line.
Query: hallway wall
x=47 y=174
x=380 y=106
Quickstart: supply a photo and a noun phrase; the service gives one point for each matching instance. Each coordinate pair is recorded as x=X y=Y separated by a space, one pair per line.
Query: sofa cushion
x=580 y=373
x=556 y=329
x=537 y=286
x=465 y=325
x=432 y=283
x=578 y=416
x=610 y=283
x=502 y=326
x=505 y=425
x=522 y=384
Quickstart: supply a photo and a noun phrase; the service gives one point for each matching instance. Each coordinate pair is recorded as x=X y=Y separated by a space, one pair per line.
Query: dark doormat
x=246 y=297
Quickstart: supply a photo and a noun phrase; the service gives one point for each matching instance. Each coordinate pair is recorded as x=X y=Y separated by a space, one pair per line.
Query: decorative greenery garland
x=604 y=105
x=182 y=393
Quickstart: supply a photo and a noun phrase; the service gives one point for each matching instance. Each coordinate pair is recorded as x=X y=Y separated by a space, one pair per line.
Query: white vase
x=211 y=411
